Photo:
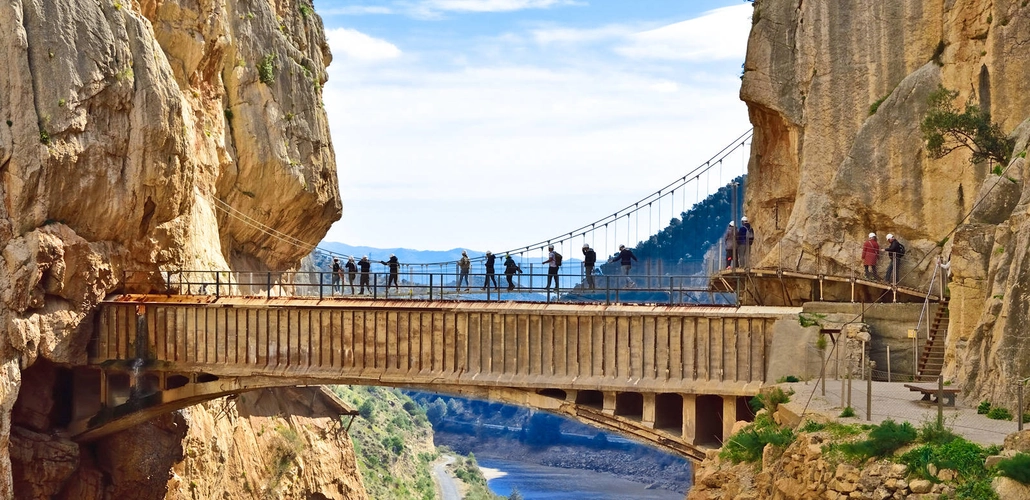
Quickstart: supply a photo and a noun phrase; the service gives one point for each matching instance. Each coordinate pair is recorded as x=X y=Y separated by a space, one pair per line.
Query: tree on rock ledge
x=946 y=129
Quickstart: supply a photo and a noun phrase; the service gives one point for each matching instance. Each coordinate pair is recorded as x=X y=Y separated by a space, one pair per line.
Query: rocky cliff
x=836 y=92
x=142 y=136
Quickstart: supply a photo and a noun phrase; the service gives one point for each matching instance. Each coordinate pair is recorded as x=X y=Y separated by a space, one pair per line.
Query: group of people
x=352 y=269
x=871 y=255
x=738 y=241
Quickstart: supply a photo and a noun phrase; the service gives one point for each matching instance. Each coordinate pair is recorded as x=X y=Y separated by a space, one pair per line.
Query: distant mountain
x=405 y=255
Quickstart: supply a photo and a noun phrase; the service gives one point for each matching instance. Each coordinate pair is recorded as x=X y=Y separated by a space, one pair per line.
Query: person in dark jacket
x=730 y=241
x=352 y=271
x=893 y=259
x=337 y=274
x=745 y=237
x=365 y=266
x=490 y=275
x=394 y=271
x=624 y=257
x=589 y=258
x=510 y=268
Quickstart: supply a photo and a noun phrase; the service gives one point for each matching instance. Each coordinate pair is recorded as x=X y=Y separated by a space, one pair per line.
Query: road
x=445 y=484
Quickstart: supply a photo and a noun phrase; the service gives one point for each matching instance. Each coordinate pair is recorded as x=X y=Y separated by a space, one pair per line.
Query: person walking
x=365 y=266
x=510 y=268
x=352 y=271
x=490 y=275
x=552 y=268
x=745 y=236
x=337 y=274
x=464 y=264
x=895 y=251
x=589 y=258
x=625 y=258
x=730 y=241
x=870 y=254
x=394 y=272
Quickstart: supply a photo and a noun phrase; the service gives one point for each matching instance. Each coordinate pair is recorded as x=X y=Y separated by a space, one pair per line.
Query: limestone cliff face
x=138 y=136
x=826 y=170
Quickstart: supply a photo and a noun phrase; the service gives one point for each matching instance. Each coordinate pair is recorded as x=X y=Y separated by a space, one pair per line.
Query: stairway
x=931 y=361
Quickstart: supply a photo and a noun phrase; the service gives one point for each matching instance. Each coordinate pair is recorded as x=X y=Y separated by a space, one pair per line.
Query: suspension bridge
x=669 y=353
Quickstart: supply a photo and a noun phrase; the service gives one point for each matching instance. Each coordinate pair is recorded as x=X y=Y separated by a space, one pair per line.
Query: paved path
x=891 y=400
x=445 y=484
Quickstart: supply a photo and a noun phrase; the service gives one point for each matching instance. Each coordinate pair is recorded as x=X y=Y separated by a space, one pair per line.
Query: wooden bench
x=930 y=391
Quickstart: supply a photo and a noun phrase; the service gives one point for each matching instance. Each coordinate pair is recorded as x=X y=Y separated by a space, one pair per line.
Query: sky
x=494 y=124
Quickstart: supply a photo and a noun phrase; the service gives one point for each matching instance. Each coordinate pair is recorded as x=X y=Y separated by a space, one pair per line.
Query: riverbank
x=654 y=469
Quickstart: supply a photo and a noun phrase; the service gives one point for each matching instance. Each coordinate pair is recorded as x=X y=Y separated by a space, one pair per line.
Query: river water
x=540 y=482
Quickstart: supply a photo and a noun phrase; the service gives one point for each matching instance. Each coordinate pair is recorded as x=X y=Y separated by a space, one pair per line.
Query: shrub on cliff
x=1017 y=467
x=747 y=445
x=946 y=129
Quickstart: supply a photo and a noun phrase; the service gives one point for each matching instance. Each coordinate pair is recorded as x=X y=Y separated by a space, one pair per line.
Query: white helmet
x=890 y=236
x=743 y=219
x=731 y=224
x=586 y=245
x=489 y=252
x=872 y=235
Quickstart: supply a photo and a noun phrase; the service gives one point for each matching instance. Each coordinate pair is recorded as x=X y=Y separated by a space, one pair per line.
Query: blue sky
x=492 y=124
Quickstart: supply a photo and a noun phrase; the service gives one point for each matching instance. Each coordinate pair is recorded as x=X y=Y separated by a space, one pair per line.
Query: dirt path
x=445 y=484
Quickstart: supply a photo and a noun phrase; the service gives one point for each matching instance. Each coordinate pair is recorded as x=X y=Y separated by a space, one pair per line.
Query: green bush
x=788 y=379
x=999 y=413
x=1017 y=467
x=883 y=440
x=748 y=444
x=934 y=433
x=847 y=412
x=394 y=444
x=965 y=457
x=983 y=407
x=945 y=129
x=266 y=69
x=979 y=489
x=366 y=409
x=770 y=399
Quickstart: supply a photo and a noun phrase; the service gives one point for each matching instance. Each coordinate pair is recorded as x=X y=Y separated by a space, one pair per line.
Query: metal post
x=430 y=286
x=869 y=393
x=822 y=371
x=843 y=390
x=269 y=285
x=849 y=388
x=218 y=283
x=888 y=363
x=607 y=289
x=321 y=283
x=940 y=401
x=1019 y=405
x=375 y=286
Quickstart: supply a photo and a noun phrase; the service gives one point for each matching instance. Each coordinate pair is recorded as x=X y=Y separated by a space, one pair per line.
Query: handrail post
x=218 y=283
x=375 y=286
x=430 y=286
x=940 y=402
x=269 y=283
x=321 y=283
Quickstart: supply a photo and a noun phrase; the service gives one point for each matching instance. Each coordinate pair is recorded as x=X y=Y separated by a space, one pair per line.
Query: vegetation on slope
x=946 y=129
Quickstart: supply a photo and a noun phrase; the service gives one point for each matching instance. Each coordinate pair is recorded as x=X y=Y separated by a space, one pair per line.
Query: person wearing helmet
x=337 y=274
x=870 y=254
x=394 y=272
x=895 y=250
x=365 y=267
x=625 y=256
x=552 y=268
x=352 y=272
x=490 y=259
x=745 y=237
x=589 y=258
x=464 y=265
x=730 y=240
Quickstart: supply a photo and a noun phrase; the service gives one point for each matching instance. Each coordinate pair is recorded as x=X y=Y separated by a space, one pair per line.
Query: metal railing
x=527 y=286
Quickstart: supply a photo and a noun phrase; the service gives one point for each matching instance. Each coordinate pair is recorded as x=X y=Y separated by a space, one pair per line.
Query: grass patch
x=770 y=399
x=1017 y=467
x=999 y=413
x=748 y=444
x=847 y=412
x=266 y=69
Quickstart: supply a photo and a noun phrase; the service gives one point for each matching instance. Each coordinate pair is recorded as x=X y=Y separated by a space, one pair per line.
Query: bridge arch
x=677 y=377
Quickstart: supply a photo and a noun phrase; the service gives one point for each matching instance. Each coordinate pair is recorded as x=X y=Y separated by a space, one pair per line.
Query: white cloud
x=570 y=35
x=718 y=34
x=358 y=46
x=491 y=5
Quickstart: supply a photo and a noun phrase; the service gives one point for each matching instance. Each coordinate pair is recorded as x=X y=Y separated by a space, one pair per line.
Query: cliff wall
x=836 y=91
x=139 y=136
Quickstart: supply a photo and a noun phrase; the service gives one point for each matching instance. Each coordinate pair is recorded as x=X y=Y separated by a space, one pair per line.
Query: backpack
x=557 y=259
x=901 y=250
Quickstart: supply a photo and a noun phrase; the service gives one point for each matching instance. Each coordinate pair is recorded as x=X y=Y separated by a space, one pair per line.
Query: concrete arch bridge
x=675 y=376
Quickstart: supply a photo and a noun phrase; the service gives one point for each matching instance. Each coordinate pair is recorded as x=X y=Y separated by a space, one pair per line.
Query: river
x=540 y=482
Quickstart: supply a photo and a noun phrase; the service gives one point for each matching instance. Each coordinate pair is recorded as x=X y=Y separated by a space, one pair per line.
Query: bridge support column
x=647 y=418
x=729 y=416
x=689 y=418
x=609 y=403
